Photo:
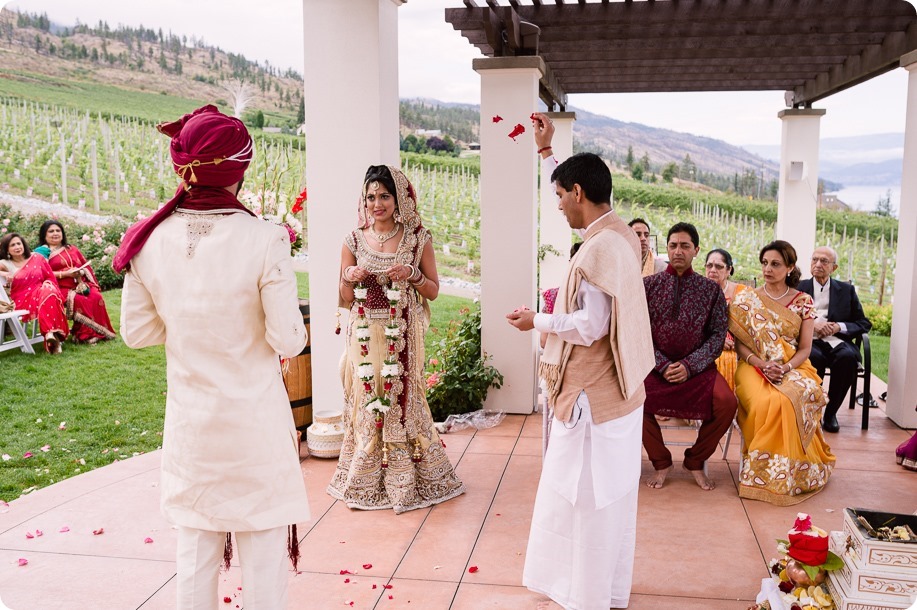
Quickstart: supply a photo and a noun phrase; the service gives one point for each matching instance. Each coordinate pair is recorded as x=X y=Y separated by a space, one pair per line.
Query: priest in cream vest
x=215 y=285
x=598 y=352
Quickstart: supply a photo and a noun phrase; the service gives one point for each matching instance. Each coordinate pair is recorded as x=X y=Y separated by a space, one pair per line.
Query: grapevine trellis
x=112 y=165
x=121 y=166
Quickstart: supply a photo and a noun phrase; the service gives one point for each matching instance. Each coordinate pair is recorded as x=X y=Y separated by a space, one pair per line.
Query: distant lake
x=865 y=197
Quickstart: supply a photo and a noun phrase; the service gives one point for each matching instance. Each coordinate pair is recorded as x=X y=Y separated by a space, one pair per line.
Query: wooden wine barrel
x=298 y=377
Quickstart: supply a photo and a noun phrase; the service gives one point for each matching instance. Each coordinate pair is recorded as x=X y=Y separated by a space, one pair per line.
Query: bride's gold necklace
x=384 y=237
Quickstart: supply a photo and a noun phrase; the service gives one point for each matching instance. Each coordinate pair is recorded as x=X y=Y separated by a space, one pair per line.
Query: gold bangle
x=748 y=358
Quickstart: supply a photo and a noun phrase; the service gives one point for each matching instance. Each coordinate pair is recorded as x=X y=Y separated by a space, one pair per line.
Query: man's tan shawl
x=606 y=260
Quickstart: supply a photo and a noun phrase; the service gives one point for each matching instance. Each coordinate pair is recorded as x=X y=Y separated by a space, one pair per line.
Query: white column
x=509 y=88
x=902 y=358
x=351 y=96
x=553 y=228
x=797 y=198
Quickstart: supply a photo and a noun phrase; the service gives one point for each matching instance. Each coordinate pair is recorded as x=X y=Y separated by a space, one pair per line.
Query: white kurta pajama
x=220 y=293
x=581 y=546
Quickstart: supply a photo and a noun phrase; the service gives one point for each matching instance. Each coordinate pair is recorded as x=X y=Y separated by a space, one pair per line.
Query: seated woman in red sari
x=78 y=285
x=32 y=286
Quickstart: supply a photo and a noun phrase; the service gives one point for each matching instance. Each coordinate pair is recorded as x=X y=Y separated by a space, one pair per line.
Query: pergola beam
x=874 y=60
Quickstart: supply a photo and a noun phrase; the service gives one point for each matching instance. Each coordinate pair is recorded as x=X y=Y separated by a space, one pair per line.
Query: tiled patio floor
x=695 y=550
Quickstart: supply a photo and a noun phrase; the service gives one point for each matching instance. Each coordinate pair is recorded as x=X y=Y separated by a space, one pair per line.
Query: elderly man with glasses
x=840 y=320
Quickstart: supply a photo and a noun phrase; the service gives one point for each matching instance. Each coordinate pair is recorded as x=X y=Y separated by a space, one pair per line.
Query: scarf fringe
x=293 y=547
x=551 y=375
x=227 y=551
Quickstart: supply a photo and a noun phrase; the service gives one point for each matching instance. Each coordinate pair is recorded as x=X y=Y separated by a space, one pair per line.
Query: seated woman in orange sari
x=32 y=286
x=719 y=268
x=78 y=285
x=786 y=458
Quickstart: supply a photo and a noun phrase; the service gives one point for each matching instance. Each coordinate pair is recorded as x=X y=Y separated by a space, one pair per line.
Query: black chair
x=864 y=371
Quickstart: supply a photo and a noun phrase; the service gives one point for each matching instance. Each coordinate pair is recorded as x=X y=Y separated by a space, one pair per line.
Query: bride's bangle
x=748 y=358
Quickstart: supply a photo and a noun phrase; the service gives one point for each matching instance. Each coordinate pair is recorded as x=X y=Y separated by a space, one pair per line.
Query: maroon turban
x=210 y=151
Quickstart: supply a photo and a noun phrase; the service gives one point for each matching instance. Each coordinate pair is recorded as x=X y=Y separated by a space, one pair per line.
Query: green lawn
x=112 y=399
x=879 y=346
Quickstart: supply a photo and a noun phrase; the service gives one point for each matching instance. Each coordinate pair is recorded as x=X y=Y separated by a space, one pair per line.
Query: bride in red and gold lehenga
x=32 y=286
x=78 y=285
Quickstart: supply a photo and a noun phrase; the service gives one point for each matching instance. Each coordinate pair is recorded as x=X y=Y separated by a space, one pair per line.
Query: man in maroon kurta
x=689 y=319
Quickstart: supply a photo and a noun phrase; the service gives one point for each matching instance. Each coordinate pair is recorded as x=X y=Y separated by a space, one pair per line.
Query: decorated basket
x=325 y=436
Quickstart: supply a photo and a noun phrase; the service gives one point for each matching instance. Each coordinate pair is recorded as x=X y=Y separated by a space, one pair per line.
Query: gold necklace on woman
x=385 y=236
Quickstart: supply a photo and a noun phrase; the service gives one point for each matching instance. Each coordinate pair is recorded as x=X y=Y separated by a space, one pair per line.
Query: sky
x=435 y=62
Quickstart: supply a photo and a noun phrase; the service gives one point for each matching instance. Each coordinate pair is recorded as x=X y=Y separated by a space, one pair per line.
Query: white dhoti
x=584 y=525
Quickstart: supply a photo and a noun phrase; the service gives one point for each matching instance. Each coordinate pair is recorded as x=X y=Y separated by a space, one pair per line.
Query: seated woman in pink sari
x=32 y=286
x=78 y=285
x=780 y=397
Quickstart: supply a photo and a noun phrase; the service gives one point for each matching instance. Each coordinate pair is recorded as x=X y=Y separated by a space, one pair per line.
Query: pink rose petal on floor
x=46 y=448
x=23 y=561
x=62 y=426
x=386 y=586
x=374 y=586
x=29 y=535
x=26 y=455
x=6 y=457
x=472 y=569
x=64 y=530
x=346 y=580
x=98 y=532
x=367 y=566
x=227 y=600
x=346 y=572
x=393 y=597
x=39 y=533
x=147 y=541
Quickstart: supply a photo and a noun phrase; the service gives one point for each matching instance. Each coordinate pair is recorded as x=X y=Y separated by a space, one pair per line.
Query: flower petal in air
x=497 y=118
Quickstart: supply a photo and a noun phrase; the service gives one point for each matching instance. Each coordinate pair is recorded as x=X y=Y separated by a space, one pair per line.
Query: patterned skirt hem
x=756 y=493
x=335 y=493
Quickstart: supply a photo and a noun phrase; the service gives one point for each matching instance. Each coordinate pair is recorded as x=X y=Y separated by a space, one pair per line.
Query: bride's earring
x=397 y=217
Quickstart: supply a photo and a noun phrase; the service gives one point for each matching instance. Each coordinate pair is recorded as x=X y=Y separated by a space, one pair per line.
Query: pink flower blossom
x=86 y=237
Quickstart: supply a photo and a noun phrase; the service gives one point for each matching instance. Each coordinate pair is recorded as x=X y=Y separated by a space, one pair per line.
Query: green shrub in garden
x=460 y=376
x=881 y=318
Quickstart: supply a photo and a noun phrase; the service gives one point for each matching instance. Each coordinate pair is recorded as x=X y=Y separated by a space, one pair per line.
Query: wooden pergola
x=808 y=48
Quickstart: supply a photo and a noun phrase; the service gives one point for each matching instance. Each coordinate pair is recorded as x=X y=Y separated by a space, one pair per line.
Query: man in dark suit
x=840 y=319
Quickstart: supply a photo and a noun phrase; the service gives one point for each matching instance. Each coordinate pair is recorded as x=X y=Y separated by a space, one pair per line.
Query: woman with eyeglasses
x=719 y=268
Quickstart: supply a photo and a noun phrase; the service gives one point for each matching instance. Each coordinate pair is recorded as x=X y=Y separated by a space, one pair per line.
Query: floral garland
x=379 y=404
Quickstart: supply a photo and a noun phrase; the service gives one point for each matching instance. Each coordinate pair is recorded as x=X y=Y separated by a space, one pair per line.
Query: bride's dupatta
x=763 y=325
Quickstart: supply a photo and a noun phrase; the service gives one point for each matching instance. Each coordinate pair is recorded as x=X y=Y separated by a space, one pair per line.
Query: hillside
x=715 y=162
x=35 y=51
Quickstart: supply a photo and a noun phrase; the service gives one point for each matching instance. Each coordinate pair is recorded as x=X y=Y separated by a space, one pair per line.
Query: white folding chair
x=24 y=335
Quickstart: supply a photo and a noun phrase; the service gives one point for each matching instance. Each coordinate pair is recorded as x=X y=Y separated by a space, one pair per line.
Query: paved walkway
x=696 y=550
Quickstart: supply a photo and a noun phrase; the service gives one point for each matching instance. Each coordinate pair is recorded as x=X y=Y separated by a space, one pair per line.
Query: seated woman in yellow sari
x=780 y=396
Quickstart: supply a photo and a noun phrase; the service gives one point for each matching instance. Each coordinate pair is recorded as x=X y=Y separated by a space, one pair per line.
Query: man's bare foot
x=657 y=480
x=703 y=481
